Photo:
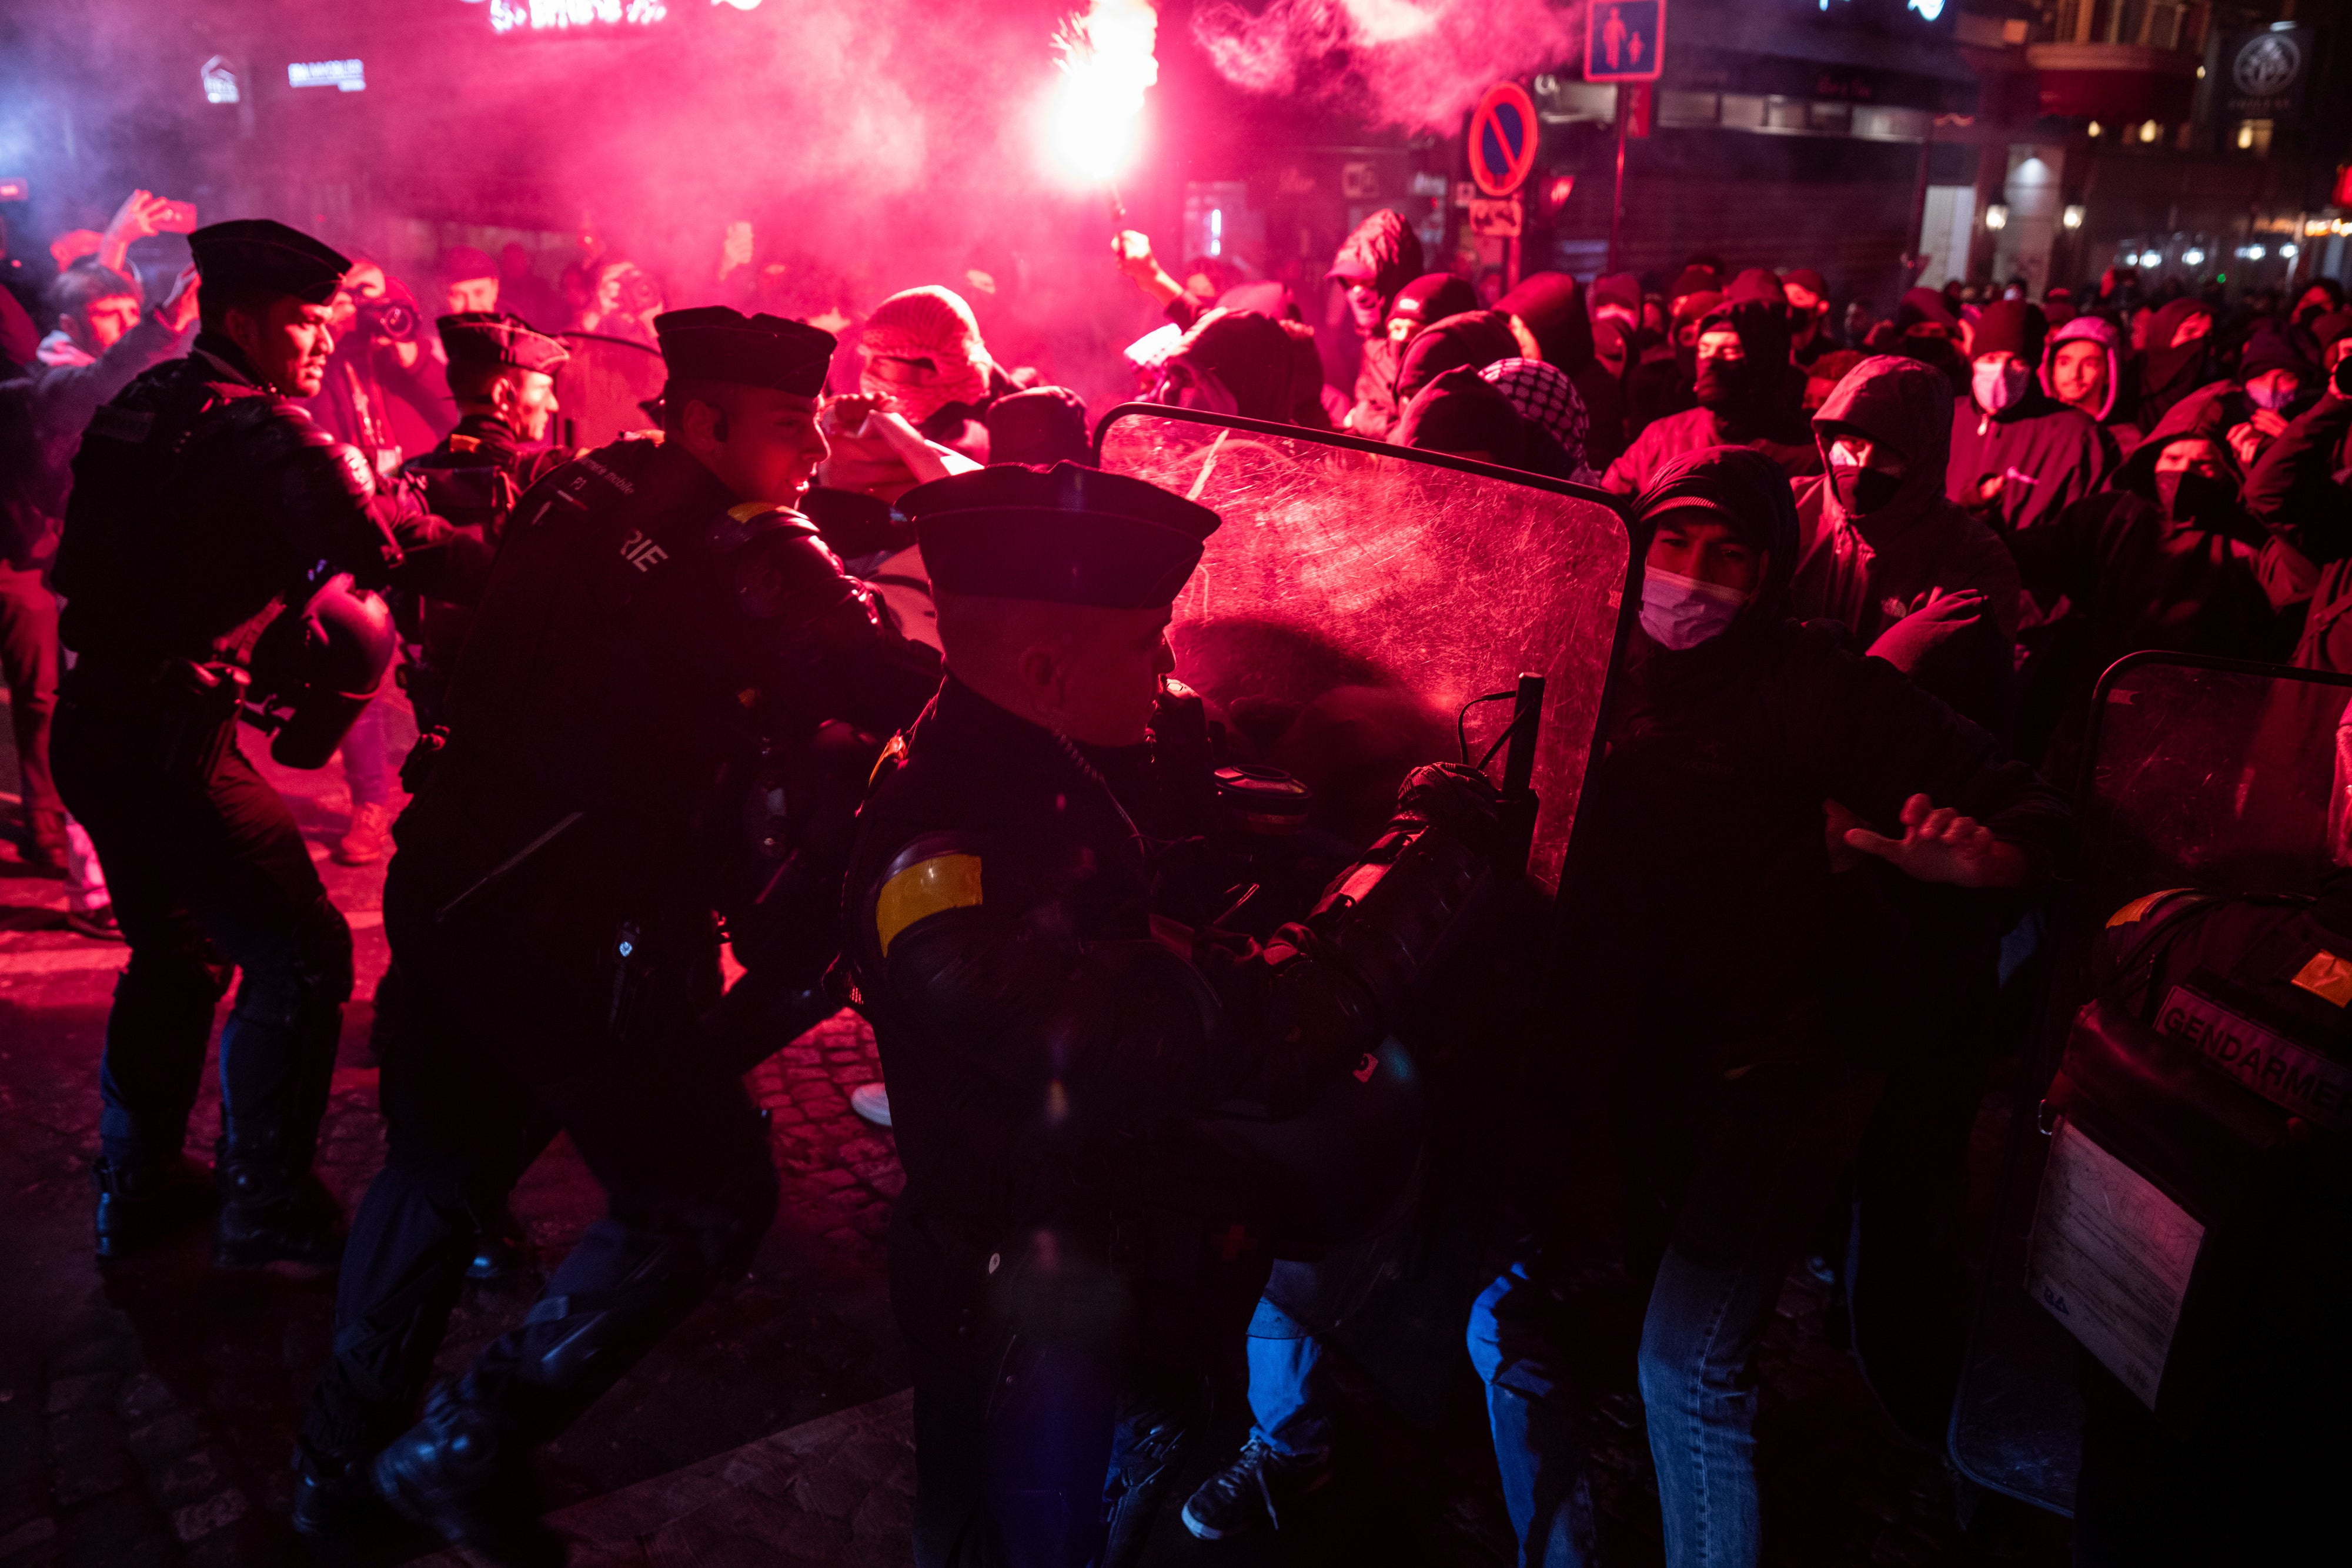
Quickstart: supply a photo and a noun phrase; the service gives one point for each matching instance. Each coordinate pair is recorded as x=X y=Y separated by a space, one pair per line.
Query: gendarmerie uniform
x=204 y=504
x=1071 y=1250
x=472 y=479
x=549 y=913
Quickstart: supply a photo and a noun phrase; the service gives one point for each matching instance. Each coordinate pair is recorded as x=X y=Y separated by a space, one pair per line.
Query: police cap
x=495 y=338
x=1066 y=535
x=714 y=343
x=261 y=255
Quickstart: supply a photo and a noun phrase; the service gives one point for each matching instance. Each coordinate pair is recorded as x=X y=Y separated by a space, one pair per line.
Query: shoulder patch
x=928 y=887
x=2138 y=907
x=2326 y=977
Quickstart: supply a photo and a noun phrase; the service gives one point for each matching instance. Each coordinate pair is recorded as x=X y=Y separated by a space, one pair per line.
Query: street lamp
x=2192 y=259
x=2072 y=217
x=1996 y=217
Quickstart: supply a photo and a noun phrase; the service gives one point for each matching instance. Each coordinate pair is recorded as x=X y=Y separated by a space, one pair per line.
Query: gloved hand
x=1927 y=634
x=1453 y=795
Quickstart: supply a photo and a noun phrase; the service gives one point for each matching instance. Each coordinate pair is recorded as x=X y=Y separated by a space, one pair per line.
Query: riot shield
x=1360 y=597
x=599 y=388
x=2197 y=772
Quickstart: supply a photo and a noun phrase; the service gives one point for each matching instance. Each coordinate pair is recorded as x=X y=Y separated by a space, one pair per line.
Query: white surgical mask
x=2272 y=395
x=1999 y=386
x=1680 y=611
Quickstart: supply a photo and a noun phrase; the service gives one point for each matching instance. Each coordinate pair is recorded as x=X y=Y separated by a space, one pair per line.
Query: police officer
x=1076 y=1242
x=205 y=504
x=549 y=910
x=2231 y=1017
x=502 y=376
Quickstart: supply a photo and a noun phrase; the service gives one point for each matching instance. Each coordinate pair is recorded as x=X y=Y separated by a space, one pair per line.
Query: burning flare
x=1106 y=65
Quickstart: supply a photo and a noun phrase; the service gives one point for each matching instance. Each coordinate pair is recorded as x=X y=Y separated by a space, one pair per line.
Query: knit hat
x=1806 y=278
x=928 y=324
x=1754 y=284
x=1619 y=289
x=2013 y=325
x=1694 y=280
x=1433 y=296
x=464 y=263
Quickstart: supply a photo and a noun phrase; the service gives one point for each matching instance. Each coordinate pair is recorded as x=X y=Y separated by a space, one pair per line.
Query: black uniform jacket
x=1039 y=1044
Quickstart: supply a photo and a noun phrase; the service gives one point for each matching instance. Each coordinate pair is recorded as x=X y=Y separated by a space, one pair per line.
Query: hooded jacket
x=1463 y=413
x=2299 y=493
x=2114 y=412
x=1702 y=897
x=1251 y=356
x=1770 y=418
x=2043 y=456
x=43 y=413
x=1550 y=306
x=2137 y=579
x=1869 y=571
x=2167 y=374
x=1476 y=338
x=1384 y=251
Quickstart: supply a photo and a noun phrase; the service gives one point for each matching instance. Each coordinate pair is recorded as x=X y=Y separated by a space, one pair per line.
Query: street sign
x=1496 y=219
x=1624 y=40
x=1503 y=137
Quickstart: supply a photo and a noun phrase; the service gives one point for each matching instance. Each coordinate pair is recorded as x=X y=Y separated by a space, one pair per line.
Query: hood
x=2272 y=346
x=1618 y=289
x=1748 y=490
x=1267 y=297
x=1431 y=297
x=2097 y=329
x=2207 y=412
x=1461 y=413
x=1894 y=399
x=1249 y=355
x=1762 y=325
x=2167 y=374
x=1553 y=308
x=1474 y=337
x=1544 y=395
x=1383 y=251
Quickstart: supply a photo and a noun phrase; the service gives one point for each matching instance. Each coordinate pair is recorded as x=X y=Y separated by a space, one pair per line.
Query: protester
x=1732 y=1091
x=2018 y=456
x=1376 y=260
x=1545 y=396
x=1043 y=425
x=1809 y=314
x=1426 y=301
x=104 y=338
x=1925 y=327
x=1462 y=413
x=622 y=301
x=2279 y=381
x=1547 y=310
x=1747 y=391
x=2083 y=367
x=923 y=355
x=1205 y=278
x=2297 y=491
x=469 y=280
x=1475 y=338
x=2173 y=358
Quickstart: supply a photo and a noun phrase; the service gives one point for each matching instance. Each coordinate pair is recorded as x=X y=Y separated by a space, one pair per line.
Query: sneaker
x=98 y=925
x=1254 y=1490
x=871 y=1101
x=363 y=842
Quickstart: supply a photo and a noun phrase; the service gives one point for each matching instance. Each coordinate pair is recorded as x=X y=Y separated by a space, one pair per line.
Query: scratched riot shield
x=2205 y=773
x=600 y=387
x=1361 y=599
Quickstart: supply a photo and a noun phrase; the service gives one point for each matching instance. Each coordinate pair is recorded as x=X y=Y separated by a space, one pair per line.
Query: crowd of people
x=1883 y=562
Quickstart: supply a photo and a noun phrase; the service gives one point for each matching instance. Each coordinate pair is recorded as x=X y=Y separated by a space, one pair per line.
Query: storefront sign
x=1496 y=219
x=2263 y=74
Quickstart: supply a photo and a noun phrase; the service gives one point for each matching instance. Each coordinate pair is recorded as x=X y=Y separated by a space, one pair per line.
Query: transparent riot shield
x=2206 y=773
x=1360 y=597
x=600 y=387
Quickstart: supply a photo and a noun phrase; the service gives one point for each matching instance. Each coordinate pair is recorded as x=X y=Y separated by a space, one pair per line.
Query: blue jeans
x=1698 y=1391
x=370 y=766
x=1288 y=1400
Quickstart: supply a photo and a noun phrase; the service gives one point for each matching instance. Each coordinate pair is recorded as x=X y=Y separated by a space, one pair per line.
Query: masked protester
x=1236 y=362
x=2020 y=456
x=1373 y=264
x=2165 y=557
x=2174 y=358
x=1718 y=1045
x=1747 y=394
x=1925 y=327
x=1464 y=413
x=1548 y=313
x=1878 y=538
x=1426 y=301
x=2083 y=367
x=2322 y=297
x=923 y=353
x=1476 y=338
x=1043 y=426
x=1809 y=336
x=2280 y=384
x=2296 y=494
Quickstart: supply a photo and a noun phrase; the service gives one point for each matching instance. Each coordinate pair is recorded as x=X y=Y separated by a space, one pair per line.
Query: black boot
x=457 y=1474
x=271 y=1215
x=141 y=1200
x=333 y=1495
x=497 y=1247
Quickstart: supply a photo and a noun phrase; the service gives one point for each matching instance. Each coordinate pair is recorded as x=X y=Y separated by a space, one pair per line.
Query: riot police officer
x=549 y=907
x=206 y=505
x=1079 y=1234
x=502 y=376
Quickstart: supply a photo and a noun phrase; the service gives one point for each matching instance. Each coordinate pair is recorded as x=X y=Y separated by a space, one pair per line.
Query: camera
x=394 y=320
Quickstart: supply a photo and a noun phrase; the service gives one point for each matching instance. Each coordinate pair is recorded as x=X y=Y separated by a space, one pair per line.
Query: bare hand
x=1988 y=489
x=1133 y=249
x=1939 y=844
x=180 y=309
x=140 y=217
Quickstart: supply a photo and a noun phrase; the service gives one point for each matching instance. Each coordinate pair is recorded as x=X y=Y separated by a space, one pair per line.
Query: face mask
x=2272 y=395
x=1997 y=386
x=1720 y=383
x=2192 y=498
x=1862 y=491
x=1682 y=612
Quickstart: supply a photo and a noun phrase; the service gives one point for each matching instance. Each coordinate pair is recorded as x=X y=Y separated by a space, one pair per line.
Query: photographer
x=381 y=393
x=2295 y=493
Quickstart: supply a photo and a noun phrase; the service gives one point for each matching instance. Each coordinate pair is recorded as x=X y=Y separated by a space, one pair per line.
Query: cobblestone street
x=147 y=1410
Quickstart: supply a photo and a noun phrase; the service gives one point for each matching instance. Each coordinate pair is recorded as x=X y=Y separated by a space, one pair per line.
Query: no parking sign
x=1503 y=137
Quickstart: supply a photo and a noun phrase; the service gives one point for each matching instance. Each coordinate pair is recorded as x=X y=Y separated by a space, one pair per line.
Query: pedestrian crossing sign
x=1624 y=40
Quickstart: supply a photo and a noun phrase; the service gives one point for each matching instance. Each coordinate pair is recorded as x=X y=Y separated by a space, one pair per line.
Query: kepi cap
x=262 y=254
x=495 y=337
x=715 y=343
x=1065 y=535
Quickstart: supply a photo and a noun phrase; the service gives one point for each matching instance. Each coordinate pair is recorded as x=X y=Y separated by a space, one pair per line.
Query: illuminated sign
x=565 y=15
x=15 y=190
x=343 y=76
x=219 y=78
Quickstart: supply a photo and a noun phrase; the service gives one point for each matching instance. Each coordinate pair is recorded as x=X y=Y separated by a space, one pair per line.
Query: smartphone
x=179 y=218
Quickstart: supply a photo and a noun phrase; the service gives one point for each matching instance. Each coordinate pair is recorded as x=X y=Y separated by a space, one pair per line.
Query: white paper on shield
x=2111 y=1258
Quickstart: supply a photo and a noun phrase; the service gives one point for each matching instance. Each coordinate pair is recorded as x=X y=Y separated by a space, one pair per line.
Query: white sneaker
x=872 y=1101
